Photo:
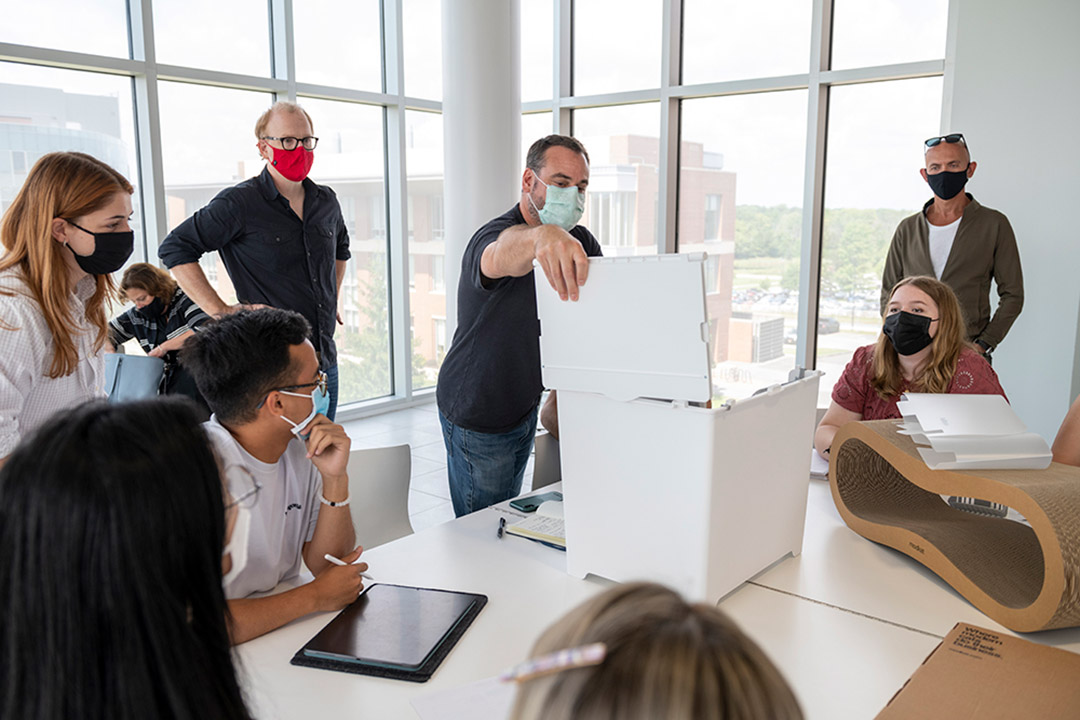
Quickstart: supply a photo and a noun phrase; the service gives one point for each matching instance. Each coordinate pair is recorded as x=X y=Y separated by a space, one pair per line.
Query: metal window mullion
x=563 y=62
x=814 y=185
x=68 y=60
x=148 y=127
x=949 y=67
x=283 y=48
x=668 y=162
x=397 y=190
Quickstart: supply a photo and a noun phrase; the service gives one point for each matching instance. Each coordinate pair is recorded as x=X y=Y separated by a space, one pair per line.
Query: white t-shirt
x=941 y=240
x=283 y=517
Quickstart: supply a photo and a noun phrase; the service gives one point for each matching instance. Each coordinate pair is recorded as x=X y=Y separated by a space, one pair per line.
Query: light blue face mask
x=562 y=206
x=320 y=403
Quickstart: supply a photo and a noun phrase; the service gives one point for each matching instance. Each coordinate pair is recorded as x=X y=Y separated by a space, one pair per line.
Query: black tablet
x=393 y=631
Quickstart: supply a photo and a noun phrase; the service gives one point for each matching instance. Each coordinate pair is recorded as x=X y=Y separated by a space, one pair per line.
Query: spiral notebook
x=393 y=631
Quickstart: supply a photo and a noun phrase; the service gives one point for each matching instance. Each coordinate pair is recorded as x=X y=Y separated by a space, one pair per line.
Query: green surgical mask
x=562 y=206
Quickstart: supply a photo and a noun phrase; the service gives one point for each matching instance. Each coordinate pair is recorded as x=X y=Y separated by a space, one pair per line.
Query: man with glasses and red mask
x=281 y=236
x=961 y=243
x=259 y=374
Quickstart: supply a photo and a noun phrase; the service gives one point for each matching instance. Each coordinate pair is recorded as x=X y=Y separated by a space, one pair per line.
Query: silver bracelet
x=339 y=503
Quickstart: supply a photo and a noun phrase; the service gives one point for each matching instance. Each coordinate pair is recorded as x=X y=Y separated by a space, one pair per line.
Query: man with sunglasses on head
x=489 y=385
x=961 y=243
x=259 y=374
x=281 y=236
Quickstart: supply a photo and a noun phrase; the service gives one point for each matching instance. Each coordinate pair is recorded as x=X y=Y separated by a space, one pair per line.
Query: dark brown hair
x=535 y=159
x=153 y=280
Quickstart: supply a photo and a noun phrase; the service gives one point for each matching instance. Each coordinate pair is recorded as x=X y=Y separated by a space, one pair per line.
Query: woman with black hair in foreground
x=112 y=523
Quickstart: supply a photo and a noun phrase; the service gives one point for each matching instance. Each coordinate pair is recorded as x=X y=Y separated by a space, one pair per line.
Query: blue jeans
x=331 y=389
x=485 y=468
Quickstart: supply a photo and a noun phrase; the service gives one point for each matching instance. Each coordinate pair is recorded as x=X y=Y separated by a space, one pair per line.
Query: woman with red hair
x=65 y=232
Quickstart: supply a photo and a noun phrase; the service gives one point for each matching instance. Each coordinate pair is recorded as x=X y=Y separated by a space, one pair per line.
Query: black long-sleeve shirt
x=272 y=256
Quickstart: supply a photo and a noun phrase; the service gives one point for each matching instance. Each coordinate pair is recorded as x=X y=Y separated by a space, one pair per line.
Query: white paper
x=949 y=461
x=489 y=699
x=550 y=508
x=959 y=414
x=819 y=466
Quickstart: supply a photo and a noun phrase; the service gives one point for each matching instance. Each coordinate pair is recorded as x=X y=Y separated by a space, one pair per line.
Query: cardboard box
x=978 y=673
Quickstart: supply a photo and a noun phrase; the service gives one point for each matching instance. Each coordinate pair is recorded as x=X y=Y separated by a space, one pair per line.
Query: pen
x=502 y=528
x=339 y=561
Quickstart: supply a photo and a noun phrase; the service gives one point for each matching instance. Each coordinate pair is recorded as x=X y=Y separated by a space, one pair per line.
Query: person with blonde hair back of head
x=650 y=655
x=921 y=348
x=64 y=233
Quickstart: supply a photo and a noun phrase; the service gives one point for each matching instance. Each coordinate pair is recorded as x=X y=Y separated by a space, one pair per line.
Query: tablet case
x=421 y=674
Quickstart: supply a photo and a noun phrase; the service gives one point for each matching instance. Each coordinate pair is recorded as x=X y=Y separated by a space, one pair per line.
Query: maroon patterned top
x=853 y=392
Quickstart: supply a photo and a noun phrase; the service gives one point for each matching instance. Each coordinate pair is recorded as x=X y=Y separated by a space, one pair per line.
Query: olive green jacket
x=984 y=250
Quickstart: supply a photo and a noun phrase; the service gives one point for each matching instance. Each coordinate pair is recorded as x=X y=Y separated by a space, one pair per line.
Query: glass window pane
x=623 y=143
x=533 y=127
x=427 y=248
x=202 y=153
x=356 y=64
x=349 y=159
x=229 y=36
x=421 y=27
x=735 y=39
x=46 y=110
x=740 y=196
x=537 y=65
x=68 y=25
x=876 y=134
x=616 y=45
x=880 y=32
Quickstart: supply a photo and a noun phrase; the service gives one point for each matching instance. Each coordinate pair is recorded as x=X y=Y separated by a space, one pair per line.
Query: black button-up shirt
x=272 y=256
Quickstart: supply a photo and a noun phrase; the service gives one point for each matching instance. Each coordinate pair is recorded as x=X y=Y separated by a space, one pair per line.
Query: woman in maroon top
x=921 y=349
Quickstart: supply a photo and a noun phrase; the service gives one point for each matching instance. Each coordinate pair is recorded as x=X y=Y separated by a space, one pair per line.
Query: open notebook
x=545 y=526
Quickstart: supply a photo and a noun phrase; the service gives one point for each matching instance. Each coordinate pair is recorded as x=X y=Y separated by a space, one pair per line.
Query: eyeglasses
x=321 y=383
x=290 y=143
x=954 y=138
x=242 y=487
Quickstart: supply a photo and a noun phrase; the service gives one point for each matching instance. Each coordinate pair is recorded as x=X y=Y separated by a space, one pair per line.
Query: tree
x=364 y=357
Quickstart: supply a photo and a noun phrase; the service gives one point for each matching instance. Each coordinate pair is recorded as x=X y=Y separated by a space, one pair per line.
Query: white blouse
x=28 y=396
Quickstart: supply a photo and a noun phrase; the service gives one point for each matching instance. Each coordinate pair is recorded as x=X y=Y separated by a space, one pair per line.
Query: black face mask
x=909 y=333
x=947 y=185
x=111 y=251
x=152 y=309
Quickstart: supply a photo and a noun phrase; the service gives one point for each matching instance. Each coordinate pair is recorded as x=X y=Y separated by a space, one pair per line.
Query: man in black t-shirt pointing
x=489 y=385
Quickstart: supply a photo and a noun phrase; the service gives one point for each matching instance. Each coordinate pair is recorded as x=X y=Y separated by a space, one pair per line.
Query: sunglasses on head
x=954 y=138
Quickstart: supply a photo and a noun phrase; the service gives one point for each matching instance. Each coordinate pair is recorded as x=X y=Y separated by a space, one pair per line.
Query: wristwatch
x=985 y=346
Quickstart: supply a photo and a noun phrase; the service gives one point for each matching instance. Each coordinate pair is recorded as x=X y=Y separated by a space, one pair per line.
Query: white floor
x=429 y=493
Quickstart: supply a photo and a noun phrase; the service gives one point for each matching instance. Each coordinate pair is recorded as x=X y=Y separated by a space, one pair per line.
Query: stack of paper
x=970 y=432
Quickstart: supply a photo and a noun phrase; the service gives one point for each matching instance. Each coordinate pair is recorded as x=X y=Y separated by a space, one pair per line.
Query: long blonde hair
x=60 y=185
x=665 y=659
x=886 y=375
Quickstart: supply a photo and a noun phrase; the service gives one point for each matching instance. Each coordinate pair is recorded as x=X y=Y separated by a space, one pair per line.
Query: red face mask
x=293 y=164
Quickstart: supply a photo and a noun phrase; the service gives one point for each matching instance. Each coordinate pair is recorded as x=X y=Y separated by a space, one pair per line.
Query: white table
x=847 y=622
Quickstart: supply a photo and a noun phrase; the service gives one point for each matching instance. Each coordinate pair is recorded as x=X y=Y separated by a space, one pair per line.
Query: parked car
x=828 y=325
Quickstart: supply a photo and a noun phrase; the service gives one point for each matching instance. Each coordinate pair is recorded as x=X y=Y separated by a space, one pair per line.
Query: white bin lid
x=639 y=329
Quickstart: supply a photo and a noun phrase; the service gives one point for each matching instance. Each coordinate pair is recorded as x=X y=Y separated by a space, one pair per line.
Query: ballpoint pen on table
x=339 y=561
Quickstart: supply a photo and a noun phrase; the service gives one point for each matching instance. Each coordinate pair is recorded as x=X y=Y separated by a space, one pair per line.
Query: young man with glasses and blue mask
x=281 y=236
x=489 y=384
x=259 y=373
x=961 y=243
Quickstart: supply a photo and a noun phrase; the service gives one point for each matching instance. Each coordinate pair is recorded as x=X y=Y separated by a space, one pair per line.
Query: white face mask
x=237 y=546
